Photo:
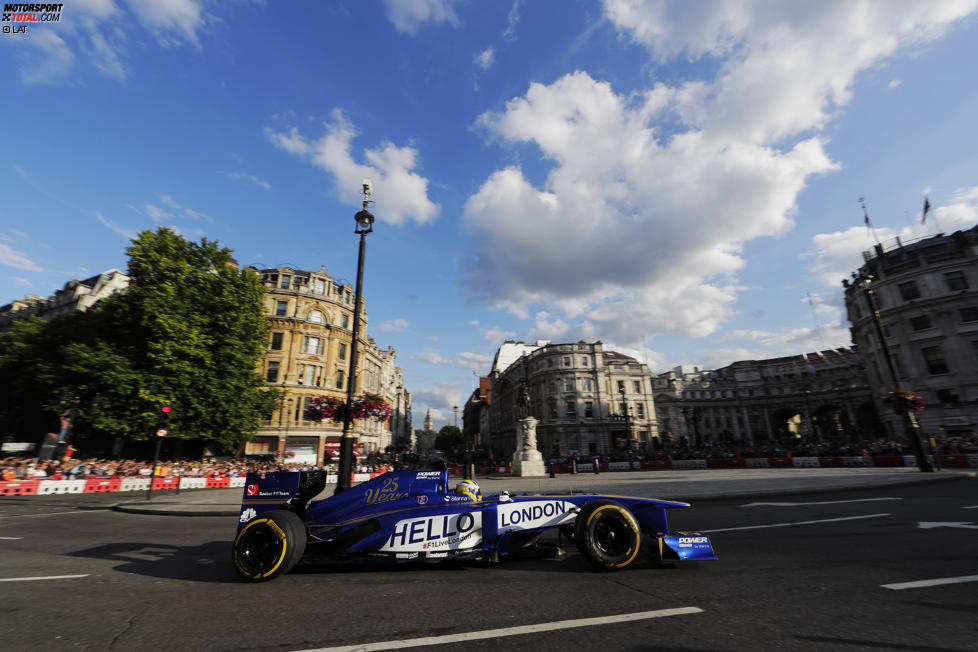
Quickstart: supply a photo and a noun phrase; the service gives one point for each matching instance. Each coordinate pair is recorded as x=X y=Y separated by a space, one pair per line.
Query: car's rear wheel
x=607 y=534
x=269 y=545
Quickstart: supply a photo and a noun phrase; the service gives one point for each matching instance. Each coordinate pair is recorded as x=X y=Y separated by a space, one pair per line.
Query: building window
x=347 y=297
x=588 y=409
x=276 y=342
x=568 y=384
x=587 y=385
x=921 y=322
x=319 y=286
x=280 y=308
x=271 y=375
x=286 y=280
x=567 y=361
x=550 y=362
x=342 y=350
x=316 y=316
x=583 y=361
x=934 y=359
x=553 y=408
x=969 y=314
x=909 y=290
x=552 y=387
x=339 y=379
x=949 y=395
x=621 y=386
x=640 y=408
x=637 y=386
x=956 y=281
x=345 y=321
x=571 y=409
x=312 y=345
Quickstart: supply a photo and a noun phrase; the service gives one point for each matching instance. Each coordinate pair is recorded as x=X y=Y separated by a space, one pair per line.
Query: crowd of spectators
x=28 y=468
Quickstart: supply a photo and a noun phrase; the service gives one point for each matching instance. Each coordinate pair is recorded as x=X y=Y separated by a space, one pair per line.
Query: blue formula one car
x=412 y=515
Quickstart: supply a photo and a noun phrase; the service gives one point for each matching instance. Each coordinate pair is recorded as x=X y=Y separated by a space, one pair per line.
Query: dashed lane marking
x=919 y=584
x=824 y=520
x=509 y=631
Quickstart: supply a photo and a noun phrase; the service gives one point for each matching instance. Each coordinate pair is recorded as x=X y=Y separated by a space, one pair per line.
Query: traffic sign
x=161 y=432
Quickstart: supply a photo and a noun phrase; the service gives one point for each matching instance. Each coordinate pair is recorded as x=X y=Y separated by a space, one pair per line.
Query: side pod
x=686 y=546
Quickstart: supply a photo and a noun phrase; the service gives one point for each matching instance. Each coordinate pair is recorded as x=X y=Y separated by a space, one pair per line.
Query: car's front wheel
x=607 y=534
x=269 y=545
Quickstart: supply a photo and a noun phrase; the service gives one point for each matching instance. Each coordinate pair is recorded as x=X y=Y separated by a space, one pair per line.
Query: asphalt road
x=801 y=572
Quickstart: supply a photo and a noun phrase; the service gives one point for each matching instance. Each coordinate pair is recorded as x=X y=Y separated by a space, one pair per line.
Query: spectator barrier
x=116 y=484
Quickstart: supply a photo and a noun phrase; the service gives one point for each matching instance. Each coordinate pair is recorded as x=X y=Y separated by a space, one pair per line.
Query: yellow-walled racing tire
x=607 y=534
x=269 y=545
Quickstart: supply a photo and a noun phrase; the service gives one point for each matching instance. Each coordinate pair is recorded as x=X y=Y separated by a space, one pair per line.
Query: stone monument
x=527 y=460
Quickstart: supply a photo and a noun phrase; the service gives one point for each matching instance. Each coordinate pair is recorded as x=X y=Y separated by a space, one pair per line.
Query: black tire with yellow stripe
x=607 y=534
x=269 y=545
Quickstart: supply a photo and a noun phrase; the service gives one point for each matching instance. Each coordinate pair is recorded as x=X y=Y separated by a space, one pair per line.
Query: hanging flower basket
x=366 y=406
x=370 y=406
x=323 y=408
x=905 y=400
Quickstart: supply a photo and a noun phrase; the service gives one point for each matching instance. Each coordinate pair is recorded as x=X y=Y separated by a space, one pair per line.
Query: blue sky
x=674 y=179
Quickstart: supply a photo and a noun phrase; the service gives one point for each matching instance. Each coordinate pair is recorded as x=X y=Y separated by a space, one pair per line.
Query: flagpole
x=869 y=224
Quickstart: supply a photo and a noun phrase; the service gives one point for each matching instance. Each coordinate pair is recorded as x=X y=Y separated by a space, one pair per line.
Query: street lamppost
x=628 y=430
x=913 y=429
x=365 y=223
x=455 y=410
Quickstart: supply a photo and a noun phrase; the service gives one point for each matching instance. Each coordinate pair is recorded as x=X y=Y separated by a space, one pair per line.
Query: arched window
x=316 y=316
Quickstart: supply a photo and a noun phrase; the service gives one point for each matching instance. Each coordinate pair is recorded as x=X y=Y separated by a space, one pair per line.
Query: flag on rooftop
x=926 y=210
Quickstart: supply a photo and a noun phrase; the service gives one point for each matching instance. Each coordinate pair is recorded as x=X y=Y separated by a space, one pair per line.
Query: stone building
x=75 y=295
x=475 y=417
x=310 y=317
x=927 y=305
x=587 y=400
x=814 y=396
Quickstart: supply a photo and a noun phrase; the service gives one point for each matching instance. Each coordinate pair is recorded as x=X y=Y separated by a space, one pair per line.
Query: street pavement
x=684 y=485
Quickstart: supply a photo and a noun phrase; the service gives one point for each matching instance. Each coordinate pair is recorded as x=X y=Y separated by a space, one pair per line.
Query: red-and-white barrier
x=89 y=485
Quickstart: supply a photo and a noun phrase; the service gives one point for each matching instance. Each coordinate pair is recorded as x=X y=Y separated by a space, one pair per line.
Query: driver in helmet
x=469 y=489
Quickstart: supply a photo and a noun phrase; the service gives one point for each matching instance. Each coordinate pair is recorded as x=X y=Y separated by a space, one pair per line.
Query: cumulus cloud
x=485 y=58
x=394 y=325
x=464 y=360
x=403 y=191
x=640 y=223
x=409 y=15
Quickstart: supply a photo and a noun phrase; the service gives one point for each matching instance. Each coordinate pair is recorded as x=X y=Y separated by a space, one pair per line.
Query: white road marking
x=827 y=502
x=509 y=631
x=924 y=583
x=925 y=525
x=11 y=538
x=824 y=520
x=83 y=511
x=49 y=577
x=970 y=507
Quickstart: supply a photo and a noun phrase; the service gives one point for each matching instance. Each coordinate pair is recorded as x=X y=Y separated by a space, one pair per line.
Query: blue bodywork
x=412 y=514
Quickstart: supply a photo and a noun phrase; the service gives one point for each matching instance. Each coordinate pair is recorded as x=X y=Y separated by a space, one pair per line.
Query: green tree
x=425 y=439
x=189 y=332
x=451 y=442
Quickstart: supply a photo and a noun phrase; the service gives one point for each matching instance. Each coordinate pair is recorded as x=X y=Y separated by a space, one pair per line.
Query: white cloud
x=640 y=223
x=485 y=58
x=168 y=17
x=394 y=325
x=409 y=15
x=512 y=20
x=129 y=234
x=13 y=258
x=54 y=60
x=464 y=360
x=894 y=83
x=22 y=282
x=261 y=183
x=401 y=194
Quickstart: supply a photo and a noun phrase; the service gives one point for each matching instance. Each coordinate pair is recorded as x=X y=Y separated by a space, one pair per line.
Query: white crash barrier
x=617 y=466
x=134 y=484
x=61 y=487
x=237 y=482
x=361 y=477
x=757 y=463
x=689 y=464
x=193 y=483
x=857 y=461
x=805 y=461
x=585 y=468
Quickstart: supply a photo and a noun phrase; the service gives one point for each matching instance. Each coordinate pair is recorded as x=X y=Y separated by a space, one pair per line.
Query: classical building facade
x=475 y=417
x=588 y=401
x=75 y=295
x=814 y=396
x=926 y=297
x=310 y=317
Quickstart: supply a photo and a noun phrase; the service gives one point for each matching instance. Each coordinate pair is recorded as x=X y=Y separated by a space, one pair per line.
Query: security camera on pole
x=364 y=226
